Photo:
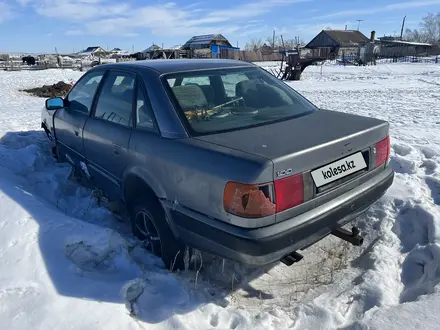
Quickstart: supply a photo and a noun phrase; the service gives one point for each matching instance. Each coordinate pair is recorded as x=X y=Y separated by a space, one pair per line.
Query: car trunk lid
x=307 y=142
x=315 y=145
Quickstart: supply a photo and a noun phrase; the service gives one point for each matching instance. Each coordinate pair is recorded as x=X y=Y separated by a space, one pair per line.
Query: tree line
x=428 y=31
x=276 y=42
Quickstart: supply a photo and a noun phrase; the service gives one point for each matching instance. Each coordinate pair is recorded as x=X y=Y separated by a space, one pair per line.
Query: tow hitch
x=352 y=237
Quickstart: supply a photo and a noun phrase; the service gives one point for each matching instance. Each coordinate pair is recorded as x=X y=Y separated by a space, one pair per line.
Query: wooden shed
x=334 y=43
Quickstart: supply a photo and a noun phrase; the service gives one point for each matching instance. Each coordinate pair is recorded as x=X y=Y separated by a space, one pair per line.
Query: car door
x=107 y=132
x=69 y=121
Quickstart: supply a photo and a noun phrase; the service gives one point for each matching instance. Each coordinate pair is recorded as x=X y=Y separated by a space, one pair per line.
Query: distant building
x=152 y=48
x=396 y=47
x=155 y=52
x=4 y=57
x=208 y=46
x=335 y=43
x=266 y=49
x=93 y=51
x=118 y=53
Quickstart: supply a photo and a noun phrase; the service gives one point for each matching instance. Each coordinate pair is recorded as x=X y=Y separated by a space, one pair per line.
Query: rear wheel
x=150 y=226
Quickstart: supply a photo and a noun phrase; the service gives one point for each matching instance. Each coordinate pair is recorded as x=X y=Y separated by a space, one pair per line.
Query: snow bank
x=67 y=261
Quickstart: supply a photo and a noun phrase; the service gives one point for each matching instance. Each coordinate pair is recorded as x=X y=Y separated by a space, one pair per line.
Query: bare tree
x=272 y=42
x=254 y=45
x=428 y=31
x=293 y=43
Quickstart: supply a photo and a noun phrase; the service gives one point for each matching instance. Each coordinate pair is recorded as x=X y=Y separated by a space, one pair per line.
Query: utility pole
x=403 y=25
x=359 y=22
x=273 y=40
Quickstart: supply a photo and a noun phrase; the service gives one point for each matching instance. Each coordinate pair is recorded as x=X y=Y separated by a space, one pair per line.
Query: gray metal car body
x=188 y=173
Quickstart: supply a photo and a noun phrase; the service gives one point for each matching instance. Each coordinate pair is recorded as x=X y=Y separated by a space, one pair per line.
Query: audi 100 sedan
x=220 y=156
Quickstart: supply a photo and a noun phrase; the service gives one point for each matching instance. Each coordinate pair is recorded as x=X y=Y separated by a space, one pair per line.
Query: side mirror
x=54 y=103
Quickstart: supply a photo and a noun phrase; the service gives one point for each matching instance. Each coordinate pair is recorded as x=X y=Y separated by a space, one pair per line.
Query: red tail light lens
x=289 y=192
x=382 y=151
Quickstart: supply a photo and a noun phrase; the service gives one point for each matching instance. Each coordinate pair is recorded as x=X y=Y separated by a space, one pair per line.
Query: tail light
x=289 y=192
x=256 y=201
x=249 y=200
x=382 y=151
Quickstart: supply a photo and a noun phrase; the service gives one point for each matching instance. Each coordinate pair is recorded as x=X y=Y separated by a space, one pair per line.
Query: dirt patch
x=47 y=91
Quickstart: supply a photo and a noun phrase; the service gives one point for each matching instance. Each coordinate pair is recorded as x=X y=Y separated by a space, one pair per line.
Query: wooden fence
x=249 y=56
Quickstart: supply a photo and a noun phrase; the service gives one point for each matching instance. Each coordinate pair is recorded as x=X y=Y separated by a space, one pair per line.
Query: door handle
x=76 y=132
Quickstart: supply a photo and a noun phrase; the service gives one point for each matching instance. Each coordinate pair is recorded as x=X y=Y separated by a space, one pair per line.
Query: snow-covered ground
x=67 y=262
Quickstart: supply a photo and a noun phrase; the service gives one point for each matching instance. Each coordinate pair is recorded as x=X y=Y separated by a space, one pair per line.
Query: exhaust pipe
x=352 y=237
x=290 y=259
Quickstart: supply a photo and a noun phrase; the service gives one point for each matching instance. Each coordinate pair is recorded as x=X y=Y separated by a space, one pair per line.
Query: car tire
x=150 y=226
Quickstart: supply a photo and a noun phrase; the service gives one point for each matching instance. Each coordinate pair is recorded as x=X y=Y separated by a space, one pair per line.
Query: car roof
x=176 y=65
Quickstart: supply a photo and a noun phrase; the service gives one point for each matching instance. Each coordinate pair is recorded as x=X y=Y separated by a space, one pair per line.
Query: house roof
x=206 y=39
x=152 y=48
x=347 y=38
x=408 y=43
x=92 y=49
x=342 y=38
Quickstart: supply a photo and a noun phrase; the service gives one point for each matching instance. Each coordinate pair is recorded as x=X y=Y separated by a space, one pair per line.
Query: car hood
x=305 y=142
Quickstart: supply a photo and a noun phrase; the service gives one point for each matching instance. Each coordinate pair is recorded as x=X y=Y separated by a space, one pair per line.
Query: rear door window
x=144 y=113
x=115 y=102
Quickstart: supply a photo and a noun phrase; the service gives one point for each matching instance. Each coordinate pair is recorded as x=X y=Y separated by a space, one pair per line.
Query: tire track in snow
x=421 y=267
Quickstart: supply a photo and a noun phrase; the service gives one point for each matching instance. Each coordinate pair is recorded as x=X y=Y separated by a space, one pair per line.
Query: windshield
x=220 y=100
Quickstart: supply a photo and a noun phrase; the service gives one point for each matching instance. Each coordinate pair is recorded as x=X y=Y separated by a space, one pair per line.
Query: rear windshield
x=220 y=100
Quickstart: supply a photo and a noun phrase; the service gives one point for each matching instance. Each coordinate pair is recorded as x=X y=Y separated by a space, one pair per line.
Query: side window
x=230 y=81
x=115 y=102
x=144 y=117
x=81 y=96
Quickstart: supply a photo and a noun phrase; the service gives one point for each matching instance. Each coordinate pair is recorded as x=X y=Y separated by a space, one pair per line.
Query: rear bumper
x=262 y=246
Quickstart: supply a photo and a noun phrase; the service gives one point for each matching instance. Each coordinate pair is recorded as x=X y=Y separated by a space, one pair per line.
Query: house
x=266 y=49
x=118 y=53
x=335 y=43
x=152 y=48
x=208 y=46
x=4 y=57
x=155 y=52
x=93 y=51
x=396 y=47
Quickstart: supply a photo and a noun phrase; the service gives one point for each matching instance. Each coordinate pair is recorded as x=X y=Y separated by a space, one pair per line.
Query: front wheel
x=150 y=226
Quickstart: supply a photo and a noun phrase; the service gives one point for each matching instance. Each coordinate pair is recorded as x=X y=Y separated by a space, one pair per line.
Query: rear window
x=220 y=100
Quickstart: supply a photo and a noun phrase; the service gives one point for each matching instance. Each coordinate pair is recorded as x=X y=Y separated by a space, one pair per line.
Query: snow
x=68 y=262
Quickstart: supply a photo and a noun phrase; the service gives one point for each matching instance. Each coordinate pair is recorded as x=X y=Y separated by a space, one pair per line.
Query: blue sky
x=72 y=25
